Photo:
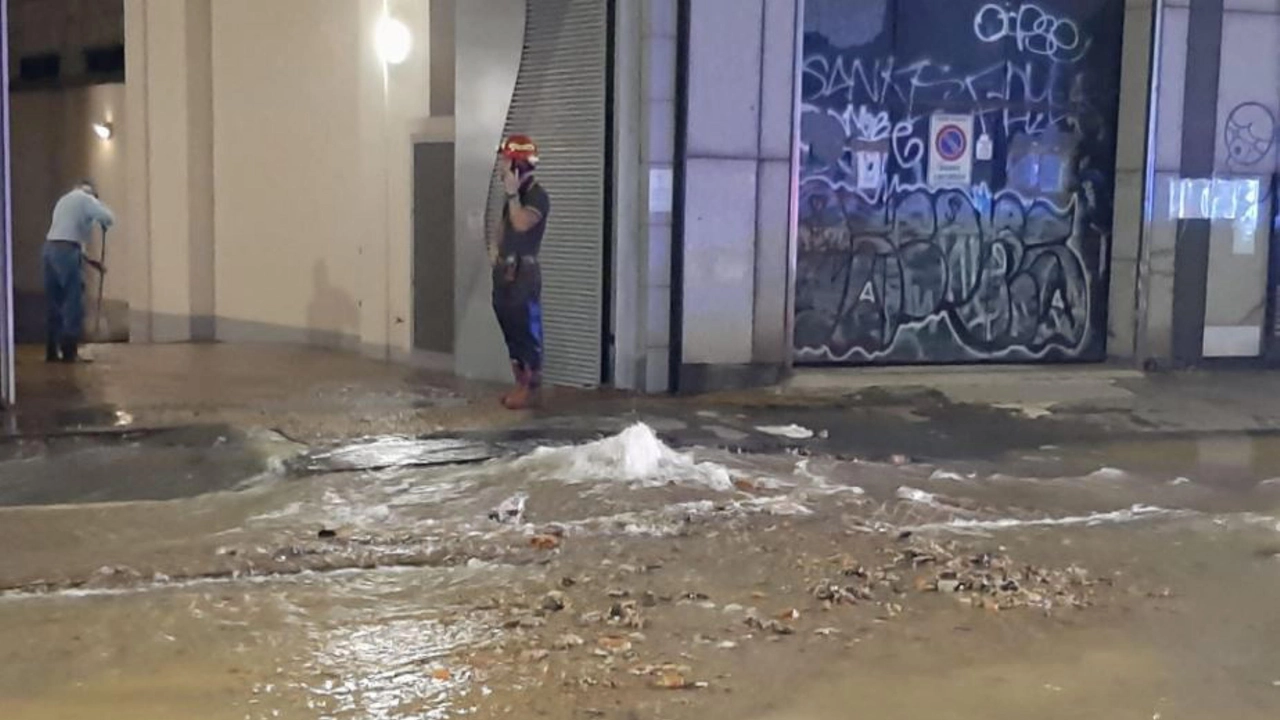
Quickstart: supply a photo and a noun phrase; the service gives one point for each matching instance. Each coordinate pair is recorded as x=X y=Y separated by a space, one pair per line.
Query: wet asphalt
x=97 y=455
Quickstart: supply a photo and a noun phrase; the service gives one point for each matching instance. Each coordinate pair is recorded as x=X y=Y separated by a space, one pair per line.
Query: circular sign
x=951 y=143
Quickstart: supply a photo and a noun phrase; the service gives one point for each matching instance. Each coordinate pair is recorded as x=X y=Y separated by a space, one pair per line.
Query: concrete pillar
x=1131 y=180
x=644 y=157
x=737 y=195
x=170 y=107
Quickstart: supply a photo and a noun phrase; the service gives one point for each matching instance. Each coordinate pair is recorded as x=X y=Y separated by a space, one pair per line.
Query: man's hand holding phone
x=511 y=180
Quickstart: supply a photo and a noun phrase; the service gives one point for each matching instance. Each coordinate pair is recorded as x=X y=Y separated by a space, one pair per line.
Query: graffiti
x=870 y=126
x=1032 y=29
x=1013 y=97
x=1001 y=275
x=1011 y=268
x=1249 y=134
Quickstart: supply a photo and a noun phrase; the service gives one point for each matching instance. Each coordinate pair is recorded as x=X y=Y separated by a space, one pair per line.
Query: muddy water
x=639 y=582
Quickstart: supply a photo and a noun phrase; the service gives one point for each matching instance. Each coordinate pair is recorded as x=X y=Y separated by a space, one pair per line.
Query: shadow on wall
x=333 y=317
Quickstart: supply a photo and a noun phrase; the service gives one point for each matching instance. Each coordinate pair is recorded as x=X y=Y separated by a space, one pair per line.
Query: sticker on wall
x=661 y=184
x=870 y=169
x=985 y=149
x=950 y=150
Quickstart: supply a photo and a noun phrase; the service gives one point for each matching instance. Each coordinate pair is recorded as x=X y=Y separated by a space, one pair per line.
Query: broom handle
x=102 y=282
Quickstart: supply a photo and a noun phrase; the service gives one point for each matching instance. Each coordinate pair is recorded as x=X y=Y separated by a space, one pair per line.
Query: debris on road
x=614 y=645
x=770 y=625
x=555 y=601
x=568 y=641
x=511 y=511
x=545 y=542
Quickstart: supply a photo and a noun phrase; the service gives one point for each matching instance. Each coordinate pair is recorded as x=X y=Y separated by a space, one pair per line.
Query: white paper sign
x=661 y=187
x=950 y=150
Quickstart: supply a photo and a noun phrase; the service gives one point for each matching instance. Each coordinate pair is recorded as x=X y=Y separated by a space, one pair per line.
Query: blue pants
x=64 y=292
x=517 y=301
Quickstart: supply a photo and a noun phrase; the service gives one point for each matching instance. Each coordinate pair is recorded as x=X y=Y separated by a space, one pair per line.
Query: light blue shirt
x=75 y=215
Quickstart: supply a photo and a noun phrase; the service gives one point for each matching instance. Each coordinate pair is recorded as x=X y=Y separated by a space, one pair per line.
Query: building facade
x=739 y=187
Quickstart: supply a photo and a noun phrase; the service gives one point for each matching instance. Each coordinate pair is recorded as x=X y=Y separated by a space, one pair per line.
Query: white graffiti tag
x=1033 y=29
x=871 y=126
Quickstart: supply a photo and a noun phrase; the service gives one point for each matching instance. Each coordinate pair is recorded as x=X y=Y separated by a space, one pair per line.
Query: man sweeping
x=69 y=232
x=517 y=278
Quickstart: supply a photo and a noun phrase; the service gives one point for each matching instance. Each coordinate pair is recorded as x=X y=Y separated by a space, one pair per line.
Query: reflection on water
x=391 y=595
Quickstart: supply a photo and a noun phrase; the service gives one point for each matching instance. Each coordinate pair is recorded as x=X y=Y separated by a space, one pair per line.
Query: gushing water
x=582 y=578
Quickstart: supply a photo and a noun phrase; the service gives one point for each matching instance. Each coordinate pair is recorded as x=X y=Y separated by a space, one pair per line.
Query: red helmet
x=520 y=148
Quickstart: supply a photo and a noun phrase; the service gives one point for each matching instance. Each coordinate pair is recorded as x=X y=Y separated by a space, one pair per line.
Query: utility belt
x=510 y=265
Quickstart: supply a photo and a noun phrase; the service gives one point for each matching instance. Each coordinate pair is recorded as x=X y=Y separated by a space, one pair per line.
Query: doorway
x=433 y=266
x=956 y=179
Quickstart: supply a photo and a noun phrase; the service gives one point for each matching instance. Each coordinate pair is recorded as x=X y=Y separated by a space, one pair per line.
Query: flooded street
x=624 y=579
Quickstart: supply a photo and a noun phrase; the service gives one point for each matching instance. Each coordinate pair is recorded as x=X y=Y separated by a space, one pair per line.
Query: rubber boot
x=520 y=399
x=517 y=375
x=71 y=354
x=526 y=395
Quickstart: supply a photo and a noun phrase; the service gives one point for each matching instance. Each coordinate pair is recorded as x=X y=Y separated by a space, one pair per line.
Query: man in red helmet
x=517 y=278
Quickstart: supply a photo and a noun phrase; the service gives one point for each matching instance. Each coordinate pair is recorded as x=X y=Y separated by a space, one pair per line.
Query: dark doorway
x=433 y=329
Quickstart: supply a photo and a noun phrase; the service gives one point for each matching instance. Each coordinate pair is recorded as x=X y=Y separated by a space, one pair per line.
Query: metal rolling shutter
x=560 y=101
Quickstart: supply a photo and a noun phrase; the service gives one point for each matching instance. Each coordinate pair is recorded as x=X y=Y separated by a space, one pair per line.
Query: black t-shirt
x=529 y=242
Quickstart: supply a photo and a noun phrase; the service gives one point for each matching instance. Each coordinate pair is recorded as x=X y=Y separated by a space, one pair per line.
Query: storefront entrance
x=956 y=180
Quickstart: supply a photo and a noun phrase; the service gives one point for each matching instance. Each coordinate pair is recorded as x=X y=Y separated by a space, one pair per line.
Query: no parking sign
x=951 y=150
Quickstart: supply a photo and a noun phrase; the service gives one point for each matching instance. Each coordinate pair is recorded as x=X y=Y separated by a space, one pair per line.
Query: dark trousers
x=517 y=302
x=64 y=293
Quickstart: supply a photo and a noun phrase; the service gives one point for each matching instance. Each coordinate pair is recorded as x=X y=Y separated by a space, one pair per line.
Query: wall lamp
x=392 y=40
x=104 y=130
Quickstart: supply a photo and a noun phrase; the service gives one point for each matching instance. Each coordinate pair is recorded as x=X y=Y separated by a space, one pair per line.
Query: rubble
x=534 y=656
x=511 y=511
x=614 y=645
x=672 y=681
x=568 y=641
x=769 y=625
x=668 y=677
x=626 y=614
x=526 y=622
x=949 y=585
x=993 y=581
x=825 y=591
x=554 y=601
x=545 y=542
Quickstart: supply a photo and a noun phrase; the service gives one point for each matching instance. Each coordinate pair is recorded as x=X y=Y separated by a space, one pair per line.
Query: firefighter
x=517 y=277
